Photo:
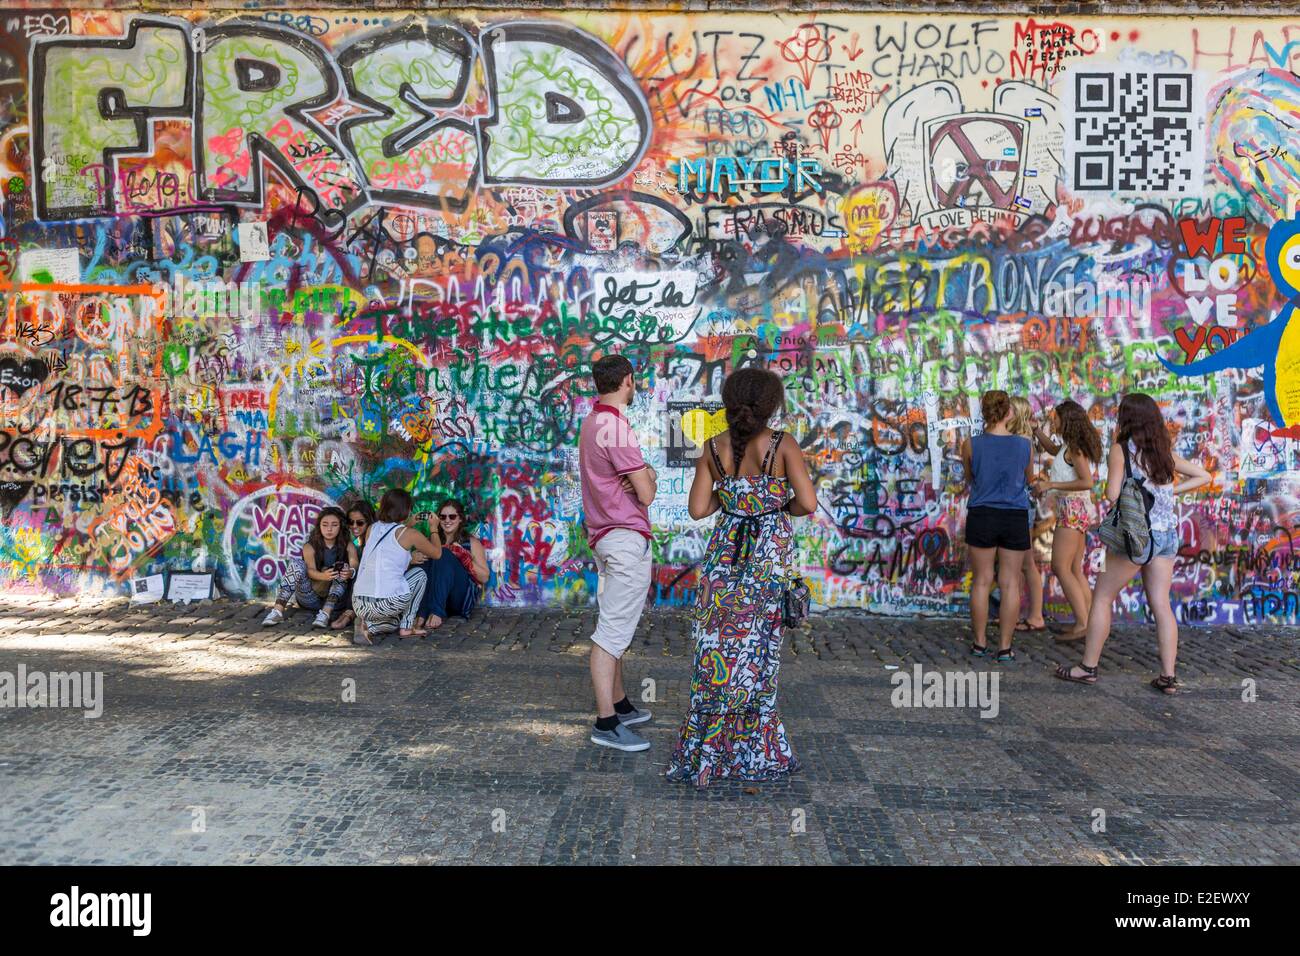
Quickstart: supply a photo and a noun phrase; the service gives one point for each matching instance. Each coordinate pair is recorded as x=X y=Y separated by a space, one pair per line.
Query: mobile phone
x=340 y=565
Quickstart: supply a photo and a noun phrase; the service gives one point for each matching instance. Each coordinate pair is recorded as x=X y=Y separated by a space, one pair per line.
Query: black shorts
x=997 y=528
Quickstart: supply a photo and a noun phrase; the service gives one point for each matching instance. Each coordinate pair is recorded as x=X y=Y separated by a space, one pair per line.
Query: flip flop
x=1069 y=637
x=1024 y=627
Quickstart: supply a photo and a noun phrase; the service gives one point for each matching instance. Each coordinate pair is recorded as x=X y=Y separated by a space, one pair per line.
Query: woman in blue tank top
x=998 y=471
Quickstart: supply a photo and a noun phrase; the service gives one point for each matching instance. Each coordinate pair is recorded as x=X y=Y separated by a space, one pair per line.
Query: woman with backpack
x=1143 y=451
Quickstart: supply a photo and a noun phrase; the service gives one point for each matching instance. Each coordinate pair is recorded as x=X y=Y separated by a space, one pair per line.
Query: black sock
x=606 y=723
x=624 y=706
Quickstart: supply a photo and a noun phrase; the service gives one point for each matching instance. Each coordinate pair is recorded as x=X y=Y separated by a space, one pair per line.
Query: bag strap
x=770 y=458
x=1128 y=464
x=372 y=547
x=391 y=529
x=717 y=462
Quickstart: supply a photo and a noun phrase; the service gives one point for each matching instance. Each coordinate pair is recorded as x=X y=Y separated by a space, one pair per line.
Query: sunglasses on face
x=357 y=524
x=449 y=517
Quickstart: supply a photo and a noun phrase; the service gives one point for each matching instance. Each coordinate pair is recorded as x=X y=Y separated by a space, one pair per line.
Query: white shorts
x=623 y=560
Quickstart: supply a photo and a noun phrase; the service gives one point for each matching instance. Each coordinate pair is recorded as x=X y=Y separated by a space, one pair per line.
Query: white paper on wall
x=50 y=265
x=147 y=590
x=254 y=244
x=189 y=587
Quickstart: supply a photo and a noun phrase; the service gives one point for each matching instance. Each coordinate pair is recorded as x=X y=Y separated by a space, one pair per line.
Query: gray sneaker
x=620 y=738
x=635 y=717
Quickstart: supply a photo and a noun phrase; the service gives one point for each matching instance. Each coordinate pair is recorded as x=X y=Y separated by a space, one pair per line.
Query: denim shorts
x=1165 y=545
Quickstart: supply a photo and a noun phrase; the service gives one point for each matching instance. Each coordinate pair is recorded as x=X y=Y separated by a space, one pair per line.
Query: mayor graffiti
x=255 y=265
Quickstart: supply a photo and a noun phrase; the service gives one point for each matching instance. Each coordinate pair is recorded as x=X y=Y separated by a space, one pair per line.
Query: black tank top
x=328 y=557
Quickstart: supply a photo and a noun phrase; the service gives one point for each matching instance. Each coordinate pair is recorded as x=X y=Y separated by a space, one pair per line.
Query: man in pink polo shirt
x=617 y=488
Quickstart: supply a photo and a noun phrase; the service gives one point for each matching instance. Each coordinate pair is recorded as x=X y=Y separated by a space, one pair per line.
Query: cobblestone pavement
x=224 y=743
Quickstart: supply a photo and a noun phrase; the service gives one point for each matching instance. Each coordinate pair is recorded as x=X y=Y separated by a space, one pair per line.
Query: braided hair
x=751 y=396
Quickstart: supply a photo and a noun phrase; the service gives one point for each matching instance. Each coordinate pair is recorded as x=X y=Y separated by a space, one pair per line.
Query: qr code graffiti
x=1135 y=131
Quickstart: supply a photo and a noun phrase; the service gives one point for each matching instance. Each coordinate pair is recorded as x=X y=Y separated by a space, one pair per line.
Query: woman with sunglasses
x=361 y=515
x=455 y=578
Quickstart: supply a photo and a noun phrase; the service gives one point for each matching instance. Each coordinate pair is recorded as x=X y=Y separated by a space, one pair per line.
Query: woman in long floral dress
x=757 y=481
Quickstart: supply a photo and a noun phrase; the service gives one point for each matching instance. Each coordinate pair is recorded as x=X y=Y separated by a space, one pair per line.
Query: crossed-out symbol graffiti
x=976 y=168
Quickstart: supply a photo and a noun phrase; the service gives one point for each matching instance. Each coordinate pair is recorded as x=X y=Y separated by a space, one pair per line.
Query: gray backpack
x=1127 y=526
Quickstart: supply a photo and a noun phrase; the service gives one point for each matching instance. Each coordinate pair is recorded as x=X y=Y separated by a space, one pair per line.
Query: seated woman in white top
x=387 y=594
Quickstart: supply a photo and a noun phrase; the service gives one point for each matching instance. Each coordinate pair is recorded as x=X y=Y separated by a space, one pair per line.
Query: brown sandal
x=1065 y=672
x=1166 y=684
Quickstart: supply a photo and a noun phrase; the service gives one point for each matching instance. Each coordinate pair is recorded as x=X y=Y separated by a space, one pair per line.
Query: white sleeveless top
x=1162 y=509
x=383 y=564
x=1062 y=470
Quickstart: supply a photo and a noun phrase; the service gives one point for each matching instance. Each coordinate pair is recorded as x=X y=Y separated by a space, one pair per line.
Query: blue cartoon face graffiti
x=1276 y=347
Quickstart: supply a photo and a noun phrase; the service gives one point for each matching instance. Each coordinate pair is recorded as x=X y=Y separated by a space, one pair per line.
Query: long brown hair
x=1078 y=432
x=1140 y=422
x=751 y=396
x=462 y=533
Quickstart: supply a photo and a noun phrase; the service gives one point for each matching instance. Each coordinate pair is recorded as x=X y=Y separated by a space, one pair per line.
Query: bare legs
x=1068 y=549
x=606 y=680
x=1034 y=588
x=1119 y=571
x=1156 y=579
x=1009 y=568
x=981 y=566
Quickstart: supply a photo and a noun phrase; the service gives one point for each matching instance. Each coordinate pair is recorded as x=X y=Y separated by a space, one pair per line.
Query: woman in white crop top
x=1076 y=451
x=1140 y=432
x=388 y=590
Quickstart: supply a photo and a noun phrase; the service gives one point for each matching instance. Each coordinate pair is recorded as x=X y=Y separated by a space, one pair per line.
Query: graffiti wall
x=252 y=265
